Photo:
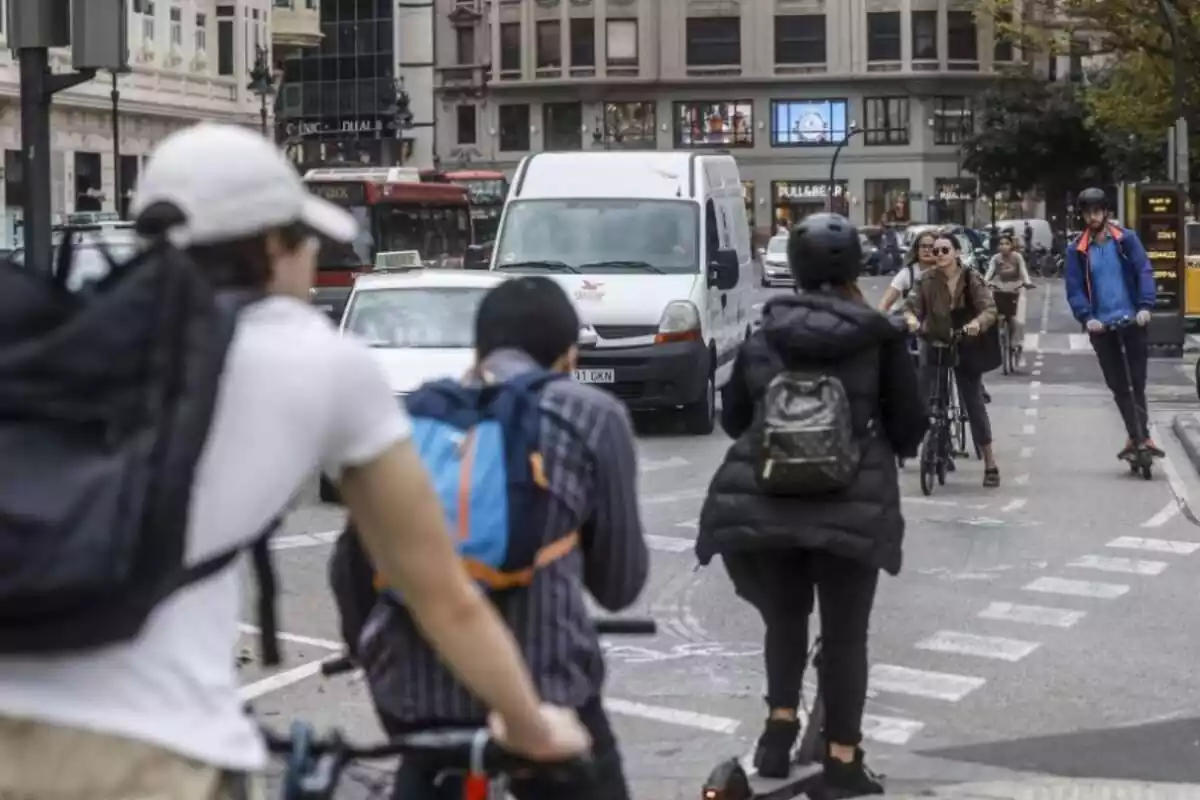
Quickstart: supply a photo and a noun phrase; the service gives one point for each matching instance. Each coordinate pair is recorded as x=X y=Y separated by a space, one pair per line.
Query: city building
x=189 y=61
x=780 y=83
x=338 y=99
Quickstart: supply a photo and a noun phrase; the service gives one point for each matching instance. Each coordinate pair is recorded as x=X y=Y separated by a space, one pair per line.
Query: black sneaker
x=773 y=755
x=850 y=780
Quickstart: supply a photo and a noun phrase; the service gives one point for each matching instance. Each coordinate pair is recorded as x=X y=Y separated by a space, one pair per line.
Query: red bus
x=395 y=211
x=487 y=191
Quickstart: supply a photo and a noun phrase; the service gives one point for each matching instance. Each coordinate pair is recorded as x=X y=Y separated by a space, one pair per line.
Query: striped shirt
x=587 y=448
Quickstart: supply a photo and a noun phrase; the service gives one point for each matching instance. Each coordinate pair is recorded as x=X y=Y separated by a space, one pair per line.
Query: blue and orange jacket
x=1139 y=277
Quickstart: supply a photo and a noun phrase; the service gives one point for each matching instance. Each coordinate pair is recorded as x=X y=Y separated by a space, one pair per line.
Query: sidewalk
x=1061 y=789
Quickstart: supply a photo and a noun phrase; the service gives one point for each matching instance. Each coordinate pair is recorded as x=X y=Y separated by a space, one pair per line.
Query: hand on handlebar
x=1142 y=318
x=559 y=737
x=1095 y=326
x=972 y=328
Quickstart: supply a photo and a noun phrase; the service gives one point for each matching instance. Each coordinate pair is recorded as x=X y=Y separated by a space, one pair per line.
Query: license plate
x=595 y=376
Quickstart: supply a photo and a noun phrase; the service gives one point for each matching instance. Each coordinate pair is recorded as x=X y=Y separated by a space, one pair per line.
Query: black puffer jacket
x=867 y=352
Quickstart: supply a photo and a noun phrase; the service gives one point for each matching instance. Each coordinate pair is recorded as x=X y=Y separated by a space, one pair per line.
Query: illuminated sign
x=1160 y=224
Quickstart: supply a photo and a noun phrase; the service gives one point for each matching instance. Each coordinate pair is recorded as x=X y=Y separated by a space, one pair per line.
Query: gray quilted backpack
x=808 y=443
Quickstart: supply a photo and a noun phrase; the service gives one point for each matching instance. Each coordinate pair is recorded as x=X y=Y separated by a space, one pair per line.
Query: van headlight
x=680 y=323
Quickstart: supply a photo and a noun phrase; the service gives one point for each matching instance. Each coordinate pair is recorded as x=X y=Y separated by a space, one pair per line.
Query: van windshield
x=602 y=235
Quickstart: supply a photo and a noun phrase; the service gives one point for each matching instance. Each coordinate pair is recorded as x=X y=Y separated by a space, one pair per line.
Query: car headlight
x=680 y=323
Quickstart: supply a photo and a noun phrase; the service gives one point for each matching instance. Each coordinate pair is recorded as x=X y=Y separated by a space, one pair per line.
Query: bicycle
x=1006 y=308
x=730 y=780
x=1141 y=458
x=936 y=453
x=315 y=764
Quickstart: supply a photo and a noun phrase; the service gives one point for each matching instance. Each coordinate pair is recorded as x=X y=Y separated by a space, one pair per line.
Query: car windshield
x=777 y=246
x=415 y=317
x=602 y=235
x=88 y=262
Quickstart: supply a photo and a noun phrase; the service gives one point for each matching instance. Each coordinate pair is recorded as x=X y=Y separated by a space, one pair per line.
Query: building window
x=924 y=36
x=800 y=39
x=562 y=126
x=714 y=124
x=464 y=44
x=88 y=193
x=799 y=123
x=622 y=42
x=1003 y=50
x=792 y=201
x=200 y=35
x=953 y=119
x=467 y=130
x=583 y=42
x=887 y=202
x=631 y=125
x=514 y=128
x=714 y=41
x=148 y=22
x=128 y=171
x=14 y=179
x=962 y=42
x=883 y=36
x=549 y=45
x=225 y=40
x=177 y=26
x=510 y=47
x=886 y=120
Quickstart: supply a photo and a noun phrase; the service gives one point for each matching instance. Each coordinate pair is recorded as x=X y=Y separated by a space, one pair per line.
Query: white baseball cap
x=230 y=182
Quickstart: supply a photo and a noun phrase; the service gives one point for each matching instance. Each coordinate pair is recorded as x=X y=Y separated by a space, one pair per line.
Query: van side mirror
x=723 y=270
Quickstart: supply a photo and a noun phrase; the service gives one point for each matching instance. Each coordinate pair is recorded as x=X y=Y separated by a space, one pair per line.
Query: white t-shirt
x=295 y=396
x=902 y=282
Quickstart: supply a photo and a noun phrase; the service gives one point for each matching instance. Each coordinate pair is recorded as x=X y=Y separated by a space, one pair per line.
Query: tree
x=1034 y=134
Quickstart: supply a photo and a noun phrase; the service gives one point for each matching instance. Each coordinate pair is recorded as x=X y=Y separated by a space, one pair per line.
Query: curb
x=1060 y=789
x=1187 y=430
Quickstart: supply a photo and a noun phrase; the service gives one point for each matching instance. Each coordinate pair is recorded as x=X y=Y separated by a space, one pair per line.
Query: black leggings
x=780 y=584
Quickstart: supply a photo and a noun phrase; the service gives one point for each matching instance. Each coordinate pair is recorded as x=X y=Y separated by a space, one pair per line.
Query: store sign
x=348 y=194
x=1160 y=227
x=955 y=191
x=806 y=191
x=329 y=126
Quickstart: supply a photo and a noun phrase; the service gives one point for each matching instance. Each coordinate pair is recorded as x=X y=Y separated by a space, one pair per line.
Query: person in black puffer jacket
x=777 y=550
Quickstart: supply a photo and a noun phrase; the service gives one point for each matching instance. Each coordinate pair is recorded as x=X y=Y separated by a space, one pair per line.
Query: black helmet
x=824 y=248
x=1092 y=198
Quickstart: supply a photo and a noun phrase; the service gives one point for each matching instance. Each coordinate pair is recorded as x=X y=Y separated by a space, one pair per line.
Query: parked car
x=775 y=270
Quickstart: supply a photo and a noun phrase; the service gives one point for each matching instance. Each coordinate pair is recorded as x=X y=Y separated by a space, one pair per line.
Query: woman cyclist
x=949 y=297
x=919 y=258
x=1008 y=275
x=777 y=550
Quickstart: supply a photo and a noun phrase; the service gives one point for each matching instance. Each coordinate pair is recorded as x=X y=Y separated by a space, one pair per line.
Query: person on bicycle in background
x=950 y=297
x=590 y=464
x=1109 y=280
x=161 y=715
x=1007 y=274
x=778 y=549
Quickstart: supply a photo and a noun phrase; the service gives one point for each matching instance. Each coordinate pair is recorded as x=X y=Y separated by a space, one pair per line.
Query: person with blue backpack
x=537 y=475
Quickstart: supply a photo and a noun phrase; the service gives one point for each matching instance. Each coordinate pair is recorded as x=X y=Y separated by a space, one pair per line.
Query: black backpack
x=106 y=397
x=808 y=444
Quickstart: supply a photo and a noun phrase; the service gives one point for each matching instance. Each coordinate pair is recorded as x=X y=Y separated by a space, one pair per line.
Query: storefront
x=953 y=201
x=887 y=202
x=792 y=201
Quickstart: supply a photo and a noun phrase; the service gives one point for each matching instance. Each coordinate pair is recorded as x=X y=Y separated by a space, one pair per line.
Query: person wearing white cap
x=162 y=716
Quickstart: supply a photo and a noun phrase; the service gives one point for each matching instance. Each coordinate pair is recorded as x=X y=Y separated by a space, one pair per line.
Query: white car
x=775 y=264
x=419 y=323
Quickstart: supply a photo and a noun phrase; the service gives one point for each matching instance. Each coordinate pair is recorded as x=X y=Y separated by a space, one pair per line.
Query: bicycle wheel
x=927 y=459
x=957 y=420
x=1005 y=350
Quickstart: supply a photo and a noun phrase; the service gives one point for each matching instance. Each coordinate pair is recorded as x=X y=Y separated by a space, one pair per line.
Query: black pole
x=833 y=164
x=35 y=144
x=262 y=115
x=116 y=134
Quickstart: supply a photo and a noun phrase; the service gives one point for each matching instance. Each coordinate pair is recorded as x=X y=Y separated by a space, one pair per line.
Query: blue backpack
x=480 y=446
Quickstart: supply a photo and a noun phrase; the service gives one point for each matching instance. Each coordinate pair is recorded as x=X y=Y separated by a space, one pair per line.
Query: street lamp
x=394 y=105
x=115 y=95
x=262 y=83
x=853 y=131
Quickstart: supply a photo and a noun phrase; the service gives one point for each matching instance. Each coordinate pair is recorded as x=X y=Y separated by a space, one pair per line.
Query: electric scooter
x=1141 y=458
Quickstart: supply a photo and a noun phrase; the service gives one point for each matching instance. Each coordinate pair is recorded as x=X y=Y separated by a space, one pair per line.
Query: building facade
x=779 y=83
x=189 y=61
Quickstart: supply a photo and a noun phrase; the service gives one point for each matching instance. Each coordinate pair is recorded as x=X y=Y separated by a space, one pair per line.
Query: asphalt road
x=1041 y=627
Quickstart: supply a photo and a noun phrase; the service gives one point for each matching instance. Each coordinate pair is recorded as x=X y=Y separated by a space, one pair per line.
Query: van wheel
x=700 y=418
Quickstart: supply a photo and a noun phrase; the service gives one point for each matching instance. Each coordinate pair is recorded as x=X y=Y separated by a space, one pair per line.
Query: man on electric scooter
x=1109 y=280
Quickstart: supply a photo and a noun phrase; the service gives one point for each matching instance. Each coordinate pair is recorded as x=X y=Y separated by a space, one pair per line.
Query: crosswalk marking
x=669 y=544
x=1050 y=585
x=1032 y=615
x=889 y=730
x=970 y=644
x=920 y=683
x=670 y=463
x=1076 y=343
x=1154 y=545
x=1132 y=566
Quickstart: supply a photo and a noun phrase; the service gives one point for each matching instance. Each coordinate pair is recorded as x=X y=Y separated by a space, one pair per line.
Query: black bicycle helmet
x=1092 y=198
x=824 y=248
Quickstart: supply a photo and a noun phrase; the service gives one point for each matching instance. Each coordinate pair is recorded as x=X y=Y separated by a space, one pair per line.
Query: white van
x=654 y=248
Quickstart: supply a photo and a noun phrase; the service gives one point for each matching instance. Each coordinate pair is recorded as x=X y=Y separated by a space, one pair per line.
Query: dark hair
x=1006 y=237
x=532 y=314
x=234 y=264
x=914 y=251
x=955 y=245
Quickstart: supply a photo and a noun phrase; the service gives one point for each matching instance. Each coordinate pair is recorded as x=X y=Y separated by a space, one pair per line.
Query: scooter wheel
x=1133 y=467
x=1148 y=471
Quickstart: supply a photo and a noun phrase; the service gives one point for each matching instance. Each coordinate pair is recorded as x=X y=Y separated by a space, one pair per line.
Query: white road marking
x=1029 y=430
x=670 y=463
x=1034 y=397
x=674 y=497
x=304 y=540
x=920 y=683
x=669 y=544
x=1079 y=341
x=1130 y=566
x=1021 y=480
x=280 y=680
x=688 y=523
x=1051 y=585
x=1035 y=384
x=295 y=638
x=890 y=730
x=970 y=644
x=1155 y=545
x=1037 y=372
x=1031 y=412
x=1031 y=342
x=1015 y=504
x=1164 y=515
x=1178 y=487
x=1026 y=452
x=671 y=716
x=1032 y=615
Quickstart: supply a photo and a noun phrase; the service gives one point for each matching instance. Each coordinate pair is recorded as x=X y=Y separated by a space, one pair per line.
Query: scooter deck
x=803 y=782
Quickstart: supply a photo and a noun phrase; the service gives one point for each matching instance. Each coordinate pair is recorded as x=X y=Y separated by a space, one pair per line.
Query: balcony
x=295 y=24
x=463 y=80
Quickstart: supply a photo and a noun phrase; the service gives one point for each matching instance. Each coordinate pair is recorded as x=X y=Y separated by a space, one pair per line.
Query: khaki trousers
x=40 y=761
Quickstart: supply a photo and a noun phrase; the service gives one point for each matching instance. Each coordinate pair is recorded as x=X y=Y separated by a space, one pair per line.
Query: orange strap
x=497 y=579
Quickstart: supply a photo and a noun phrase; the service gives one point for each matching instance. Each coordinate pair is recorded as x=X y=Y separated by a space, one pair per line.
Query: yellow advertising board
x=1160 y=227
